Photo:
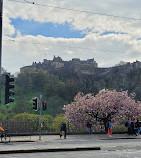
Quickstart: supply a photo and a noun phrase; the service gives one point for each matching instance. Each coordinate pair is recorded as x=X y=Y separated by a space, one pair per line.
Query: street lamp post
x=1 y=10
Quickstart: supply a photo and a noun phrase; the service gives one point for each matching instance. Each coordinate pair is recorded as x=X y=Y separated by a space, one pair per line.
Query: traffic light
x=44 y=106
x=8 y=88
x=35 y=103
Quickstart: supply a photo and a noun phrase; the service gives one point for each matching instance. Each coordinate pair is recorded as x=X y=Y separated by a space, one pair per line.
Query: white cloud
x=8 y=29
x=30 y=48
x=69 y=52
x=124 y=46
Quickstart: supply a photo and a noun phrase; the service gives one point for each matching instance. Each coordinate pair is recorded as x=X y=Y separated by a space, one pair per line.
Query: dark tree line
x=60 y=87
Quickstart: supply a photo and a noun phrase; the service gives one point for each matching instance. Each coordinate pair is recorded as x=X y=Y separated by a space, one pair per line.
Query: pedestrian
x=89 y=125
x=63 y=130
x=138 y=127
x=132 y=128
x=128 y=125
x=1 y=131
x=110 y=128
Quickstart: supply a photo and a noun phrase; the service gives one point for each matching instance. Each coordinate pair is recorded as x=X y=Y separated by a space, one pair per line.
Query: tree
x=54 y=105
x=106 y=105
x=21 y=105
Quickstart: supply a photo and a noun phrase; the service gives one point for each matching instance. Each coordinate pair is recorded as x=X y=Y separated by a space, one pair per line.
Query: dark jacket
x=63 y=127
x=138 y=124
x=89 y=125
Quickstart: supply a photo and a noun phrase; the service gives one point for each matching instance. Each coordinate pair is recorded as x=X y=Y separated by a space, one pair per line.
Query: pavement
x=53 y=143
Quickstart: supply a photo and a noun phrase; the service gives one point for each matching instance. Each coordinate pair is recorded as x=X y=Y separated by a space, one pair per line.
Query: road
x=80 y=154
x=115 y=147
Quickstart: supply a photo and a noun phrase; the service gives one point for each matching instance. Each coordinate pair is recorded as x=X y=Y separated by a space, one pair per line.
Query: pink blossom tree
x=107 y=104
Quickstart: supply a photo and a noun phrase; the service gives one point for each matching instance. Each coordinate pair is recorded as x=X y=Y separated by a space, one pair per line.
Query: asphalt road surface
x=80 y=154
x=110 y=148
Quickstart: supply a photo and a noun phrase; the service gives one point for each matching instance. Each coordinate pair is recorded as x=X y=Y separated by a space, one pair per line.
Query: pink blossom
x=119 y=105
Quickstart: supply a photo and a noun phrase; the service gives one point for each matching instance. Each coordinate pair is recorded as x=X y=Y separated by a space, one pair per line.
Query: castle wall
x=58 y=63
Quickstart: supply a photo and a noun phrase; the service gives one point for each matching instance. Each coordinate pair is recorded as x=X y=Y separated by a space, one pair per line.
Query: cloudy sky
x=107 y=30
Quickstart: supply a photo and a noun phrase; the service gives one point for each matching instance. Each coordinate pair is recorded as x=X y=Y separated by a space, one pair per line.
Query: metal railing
x=24 y=127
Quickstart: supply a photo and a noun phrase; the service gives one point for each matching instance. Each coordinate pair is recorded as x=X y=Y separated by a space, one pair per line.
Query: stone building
x=58 y=63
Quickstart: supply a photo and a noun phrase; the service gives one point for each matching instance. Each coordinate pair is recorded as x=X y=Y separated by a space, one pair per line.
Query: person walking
x=128 y=125
x=63 y=130
x=132 y=127
x=138 y=127
x=110 y=128
x=89 y=125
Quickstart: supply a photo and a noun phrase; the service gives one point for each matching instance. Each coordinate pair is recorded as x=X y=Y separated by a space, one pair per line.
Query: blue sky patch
x=49 y=29
x=111 y=32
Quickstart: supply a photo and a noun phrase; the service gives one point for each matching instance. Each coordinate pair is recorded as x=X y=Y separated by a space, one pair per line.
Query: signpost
x=35 y=107
x=40 y=117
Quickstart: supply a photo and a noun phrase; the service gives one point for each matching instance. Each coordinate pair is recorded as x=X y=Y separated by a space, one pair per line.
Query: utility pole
x=40 y=117
x=1 y=11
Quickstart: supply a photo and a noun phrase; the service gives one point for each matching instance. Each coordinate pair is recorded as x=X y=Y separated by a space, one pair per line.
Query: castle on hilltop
x=57 y=64
x=77 y=66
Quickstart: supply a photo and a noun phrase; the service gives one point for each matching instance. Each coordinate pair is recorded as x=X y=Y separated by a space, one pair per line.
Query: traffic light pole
x=40 y=117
